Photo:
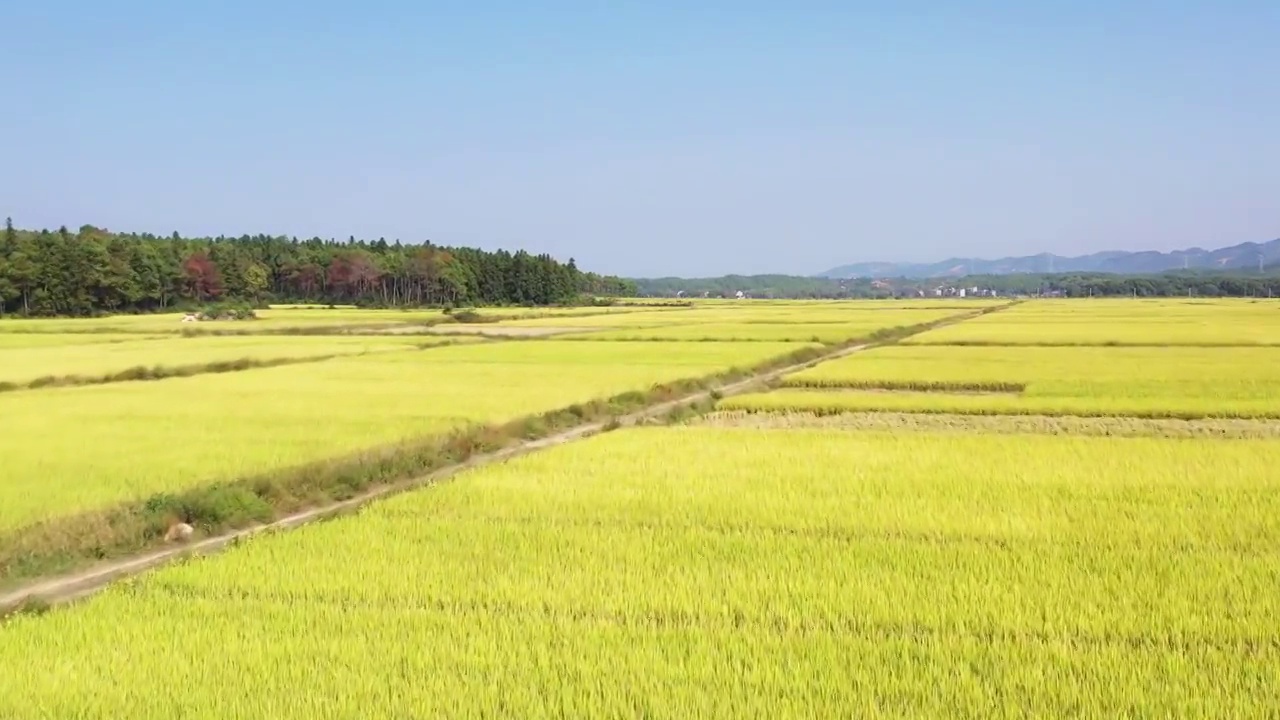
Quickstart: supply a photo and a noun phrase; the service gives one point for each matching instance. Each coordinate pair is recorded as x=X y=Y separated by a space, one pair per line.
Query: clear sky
x=652 y=138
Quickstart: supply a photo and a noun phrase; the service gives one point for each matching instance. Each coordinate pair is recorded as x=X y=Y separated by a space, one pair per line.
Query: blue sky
x=652 y=138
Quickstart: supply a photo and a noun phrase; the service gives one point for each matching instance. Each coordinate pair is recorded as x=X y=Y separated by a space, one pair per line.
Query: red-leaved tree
x=203 y=280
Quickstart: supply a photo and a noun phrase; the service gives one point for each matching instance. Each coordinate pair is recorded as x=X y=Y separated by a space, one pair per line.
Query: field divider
x=33 y=590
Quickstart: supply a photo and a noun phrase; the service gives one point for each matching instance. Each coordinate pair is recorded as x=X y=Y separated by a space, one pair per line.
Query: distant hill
x=1236 y=257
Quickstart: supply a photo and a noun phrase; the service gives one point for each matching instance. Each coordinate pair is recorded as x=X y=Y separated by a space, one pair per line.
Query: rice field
x=96 y=357
x=763 y=314
x=281 y=319
x=713 y=572
x=1059 y=509
x=1164 y=322
x=1144 y=382
x=83 y=448
x=16 y=341
x=268 y=320
x=830 y=333
x=1081 y=371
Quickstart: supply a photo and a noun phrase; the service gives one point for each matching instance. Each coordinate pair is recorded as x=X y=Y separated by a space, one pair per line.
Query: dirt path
x=77 y=585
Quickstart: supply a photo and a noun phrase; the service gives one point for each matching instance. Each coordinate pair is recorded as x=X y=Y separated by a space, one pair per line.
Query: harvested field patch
x=843 y=401
x=1241 y=429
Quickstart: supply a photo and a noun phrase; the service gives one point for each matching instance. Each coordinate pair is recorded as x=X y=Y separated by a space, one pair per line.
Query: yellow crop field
x=284 y=318
x=938 y=303
x=1119 y=322
x=87 y=447
x=1038 y=376
x=641 y=317
x=793 y=332
x=1221 y=376
x=267 y=320
x=710 y=572
x=300 y=318
x=343 y=312
x=554 y=312
x=95 y=358
x=736 y=319
x=22 y=341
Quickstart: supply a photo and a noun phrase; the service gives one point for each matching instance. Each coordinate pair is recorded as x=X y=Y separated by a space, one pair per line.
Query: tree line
x=1238 y=283
x=1235 y=283
x=759 y=286
x=45 y=273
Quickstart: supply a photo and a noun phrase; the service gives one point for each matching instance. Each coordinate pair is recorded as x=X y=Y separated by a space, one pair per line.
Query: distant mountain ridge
x=1237 y=257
